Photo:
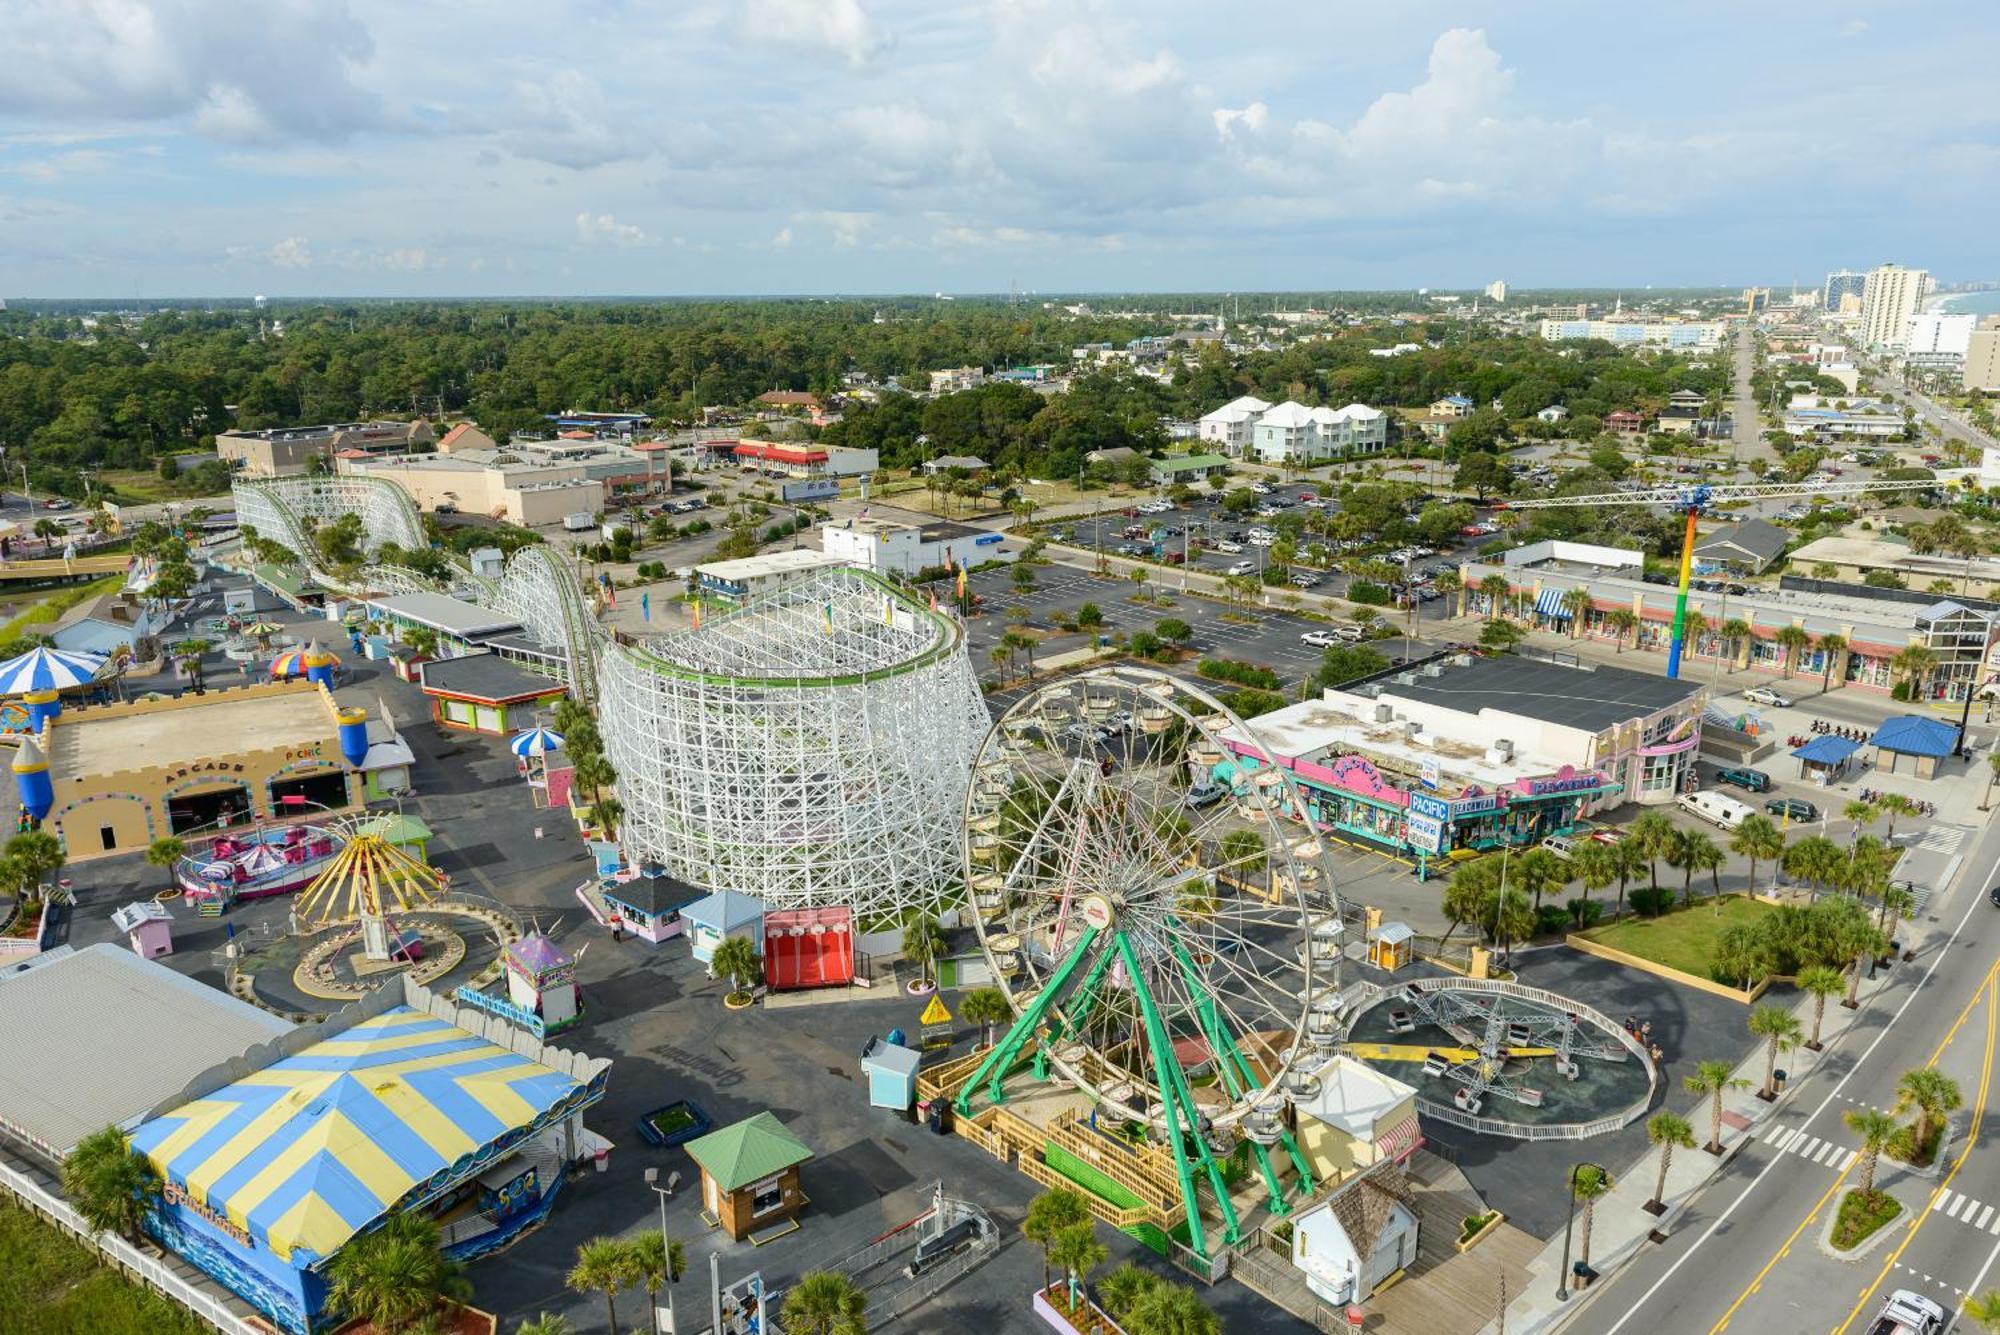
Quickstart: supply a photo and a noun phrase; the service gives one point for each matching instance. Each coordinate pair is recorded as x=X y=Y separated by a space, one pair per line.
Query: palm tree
x=1622 y=621
x=1656 y=837
x=1896 y=901
x=1627 y=860
x=1711 y=1080
x=1794 y=640
x=1757 y=838
x=1705 y=855
x=923 y=942
x=1536 y=872
x=396 y=1277
x=1875 y=1129
x=1576 y=602
x=825 y=1302
x=1468 y=895
x=1496 y=589
x=1670 y=1131
x=1933 y=1094
x=1587 y=1183
x=1894 y=805
x=1779 y=1029
x=603 y=1265
x=1735 y=632
x=1831 y=646
x=1863 y=814
x=1593 y=865
x=1693 y=626
x=1048 y=1215
x=1984 y=1308
x=1121 y=1290
x=1819 y=981
x=113 y=1187
x=164 y=852
x=986 y=1007
x=1816 y=860
x=591 y=773
x=736 y=960
x=1913 y=664
x=605 y=813
x=422 y=641
x=651 y=1263
x=1077 y=1252
x=1170 y=1309
x=48 y=530
x=547 y=1323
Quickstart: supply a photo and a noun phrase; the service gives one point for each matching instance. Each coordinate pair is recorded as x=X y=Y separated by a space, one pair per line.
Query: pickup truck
x=1908 y=1313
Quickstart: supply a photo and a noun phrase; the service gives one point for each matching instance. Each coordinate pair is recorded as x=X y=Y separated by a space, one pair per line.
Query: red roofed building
x=1625 y=422
x=789 y=460
x=789 y=398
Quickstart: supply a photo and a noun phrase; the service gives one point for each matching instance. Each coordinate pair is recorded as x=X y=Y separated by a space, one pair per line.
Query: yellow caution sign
x=935 y=1013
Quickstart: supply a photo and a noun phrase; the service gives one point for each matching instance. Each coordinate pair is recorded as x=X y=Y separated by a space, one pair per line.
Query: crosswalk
x=1954 y=1205
x=1957 y=1205
x=1826 y=1153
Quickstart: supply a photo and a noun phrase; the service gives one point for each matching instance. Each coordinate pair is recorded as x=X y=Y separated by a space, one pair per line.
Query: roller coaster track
x=536 y=586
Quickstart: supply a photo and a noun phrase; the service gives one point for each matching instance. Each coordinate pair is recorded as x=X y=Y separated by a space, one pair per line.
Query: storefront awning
x=1550 y=604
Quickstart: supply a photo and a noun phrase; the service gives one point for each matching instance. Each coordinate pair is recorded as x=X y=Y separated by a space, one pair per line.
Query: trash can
x=1778 y=1078
x=940 y=1115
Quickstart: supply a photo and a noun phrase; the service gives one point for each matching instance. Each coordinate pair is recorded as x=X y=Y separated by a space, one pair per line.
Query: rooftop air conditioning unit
x=1406 y=679
x=1411 y=728
x=1433 y=669
x=1462 y=660
x=1384 y=713
x=1501 y=752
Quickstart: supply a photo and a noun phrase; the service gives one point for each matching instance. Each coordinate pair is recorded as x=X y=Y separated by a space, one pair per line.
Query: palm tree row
x=609 y=1265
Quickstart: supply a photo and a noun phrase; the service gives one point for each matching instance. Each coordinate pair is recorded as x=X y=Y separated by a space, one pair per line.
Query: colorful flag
x=961 y=579
x=888 y=611
x=645 y=607
x=933 y=594
x=697 y=614
x=827 y=610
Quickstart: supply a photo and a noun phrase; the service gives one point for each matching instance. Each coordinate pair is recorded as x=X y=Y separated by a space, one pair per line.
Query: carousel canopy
x=535 y=742
x=262 y=628
x=48 y=670
x=292 y=663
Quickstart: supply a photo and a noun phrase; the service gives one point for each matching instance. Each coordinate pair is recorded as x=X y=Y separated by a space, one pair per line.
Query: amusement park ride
x=1694 y=501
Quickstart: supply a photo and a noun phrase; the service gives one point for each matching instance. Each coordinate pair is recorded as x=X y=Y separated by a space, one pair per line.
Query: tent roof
x=1912 y=735
x=1826 y=750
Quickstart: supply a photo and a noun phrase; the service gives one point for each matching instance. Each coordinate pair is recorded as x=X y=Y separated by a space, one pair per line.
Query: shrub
x=1145 y=643
x=1585 y=911
x=1551 y=918
x=1652 y=899
x=1369 y=592
x=1242 y=674
x=1250 y=703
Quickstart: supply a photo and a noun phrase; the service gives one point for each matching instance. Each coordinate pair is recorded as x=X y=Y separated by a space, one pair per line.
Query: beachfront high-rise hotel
x=1891 y=296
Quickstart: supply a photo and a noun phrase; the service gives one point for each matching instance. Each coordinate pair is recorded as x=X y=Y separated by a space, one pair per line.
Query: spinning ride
x=249 y=864
x=369 y=883
x=1175 y=963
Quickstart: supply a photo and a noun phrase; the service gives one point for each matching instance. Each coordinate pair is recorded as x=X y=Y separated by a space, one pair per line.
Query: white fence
x=120 y=1254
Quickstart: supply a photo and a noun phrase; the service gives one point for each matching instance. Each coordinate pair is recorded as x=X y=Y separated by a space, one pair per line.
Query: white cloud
x=602 y=227
x=814 y=26
x=1251 y=118
x=1854 y=27
x=781 y=239
x=843 y=227
x=566 y=121
x=291 y=253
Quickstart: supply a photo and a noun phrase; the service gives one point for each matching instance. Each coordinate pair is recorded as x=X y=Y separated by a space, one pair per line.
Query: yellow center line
x=1971 y=1140
x=1820 y=1204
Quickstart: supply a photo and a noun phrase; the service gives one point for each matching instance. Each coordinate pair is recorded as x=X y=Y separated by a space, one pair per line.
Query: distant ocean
x=1969 y=303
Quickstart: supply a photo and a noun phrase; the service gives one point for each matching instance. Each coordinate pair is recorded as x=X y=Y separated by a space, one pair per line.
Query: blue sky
x=409 y=147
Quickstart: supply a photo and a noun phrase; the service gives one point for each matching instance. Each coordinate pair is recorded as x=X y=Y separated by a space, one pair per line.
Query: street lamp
x=666 y=1245
x=1562 y=1277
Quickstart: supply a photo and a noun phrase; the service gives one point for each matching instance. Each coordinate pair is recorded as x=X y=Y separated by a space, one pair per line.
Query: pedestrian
x=1659 y=1058
x=1646 y=1031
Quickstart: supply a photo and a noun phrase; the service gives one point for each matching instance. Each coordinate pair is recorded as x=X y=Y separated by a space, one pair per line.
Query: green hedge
x=1242 y=674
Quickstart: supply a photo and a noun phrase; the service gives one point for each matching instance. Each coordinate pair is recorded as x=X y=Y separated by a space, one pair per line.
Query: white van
x=1716 y=807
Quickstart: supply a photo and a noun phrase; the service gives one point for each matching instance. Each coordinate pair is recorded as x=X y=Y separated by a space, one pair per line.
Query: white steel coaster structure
x=1168 y=950
x=807 y=748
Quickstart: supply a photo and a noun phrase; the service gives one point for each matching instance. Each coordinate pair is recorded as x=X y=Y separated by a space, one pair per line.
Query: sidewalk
x=1622 y=1224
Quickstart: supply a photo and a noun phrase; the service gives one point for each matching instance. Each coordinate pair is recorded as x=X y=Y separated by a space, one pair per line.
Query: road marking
x=1958 y=1203
x=1984 y=1215
x=1944 y=949
x=1971 y=1134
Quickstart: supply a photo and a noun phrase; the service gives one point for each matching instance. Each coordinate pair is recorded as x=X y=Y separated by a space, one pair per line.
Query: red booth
x=808 y=948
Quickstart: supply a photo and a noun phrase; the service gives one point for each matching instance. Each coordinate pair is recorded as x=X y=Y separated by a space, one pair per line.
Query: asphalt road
x=1746 y=1256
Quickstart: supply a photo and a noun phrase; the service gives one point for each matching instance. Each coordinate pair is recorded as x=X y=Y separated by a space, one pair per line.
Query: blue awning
x=1912 y=735
x=1826 y=750
x=1550 y=604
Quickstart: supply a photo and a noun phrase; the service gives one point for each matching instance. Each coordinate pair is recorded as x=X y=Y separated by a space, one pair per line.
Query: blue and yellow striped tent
x=307 y=1152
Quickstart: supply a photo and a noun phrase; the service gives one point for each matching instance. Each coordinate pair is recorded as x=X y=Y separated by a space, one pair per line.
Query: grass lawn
x=1683 y=939
x=51 y=1285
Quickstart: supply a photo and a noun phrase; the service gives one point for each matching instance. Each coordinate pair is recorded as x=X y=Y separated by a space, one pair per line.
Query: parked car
x=59 y=503
x=1304 y=582
x=1351 y=634
x=1087 y=732
x=1794 y=808
x=1320 y=639
x=1607 y=834
x=1242 y=568
x=1560 y=845
x=1764 y=695
x=1205 y=795
x=1751 y=780
x=1231 y=548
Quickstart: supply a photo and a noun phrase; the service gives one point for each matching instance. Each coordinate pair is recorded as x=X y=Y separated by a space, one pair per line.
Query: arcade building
x=1464 y=752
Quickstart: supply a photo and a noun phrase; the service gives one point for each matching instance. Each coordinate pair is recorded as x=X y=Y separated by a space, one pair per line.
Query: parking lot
x=1268 y=637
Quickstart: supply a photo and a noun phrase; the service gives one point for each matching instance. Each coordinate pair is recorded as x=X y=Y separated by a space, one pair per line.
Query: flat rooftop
x=445 y=614
x=1321 y=731
x=770 y=563
x=154 y=1031
x=88 y=743
x=1589 y=697
x=485 y=677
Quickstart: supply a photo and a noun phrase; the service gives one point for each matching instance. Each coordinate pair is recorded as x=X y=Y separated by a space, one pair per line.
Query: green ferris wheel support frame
x=1192 y=1158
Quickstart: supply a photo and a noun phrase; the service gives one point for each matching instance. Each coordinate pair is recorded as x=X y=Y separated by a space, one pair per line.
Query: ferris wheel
x=1161 y=918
